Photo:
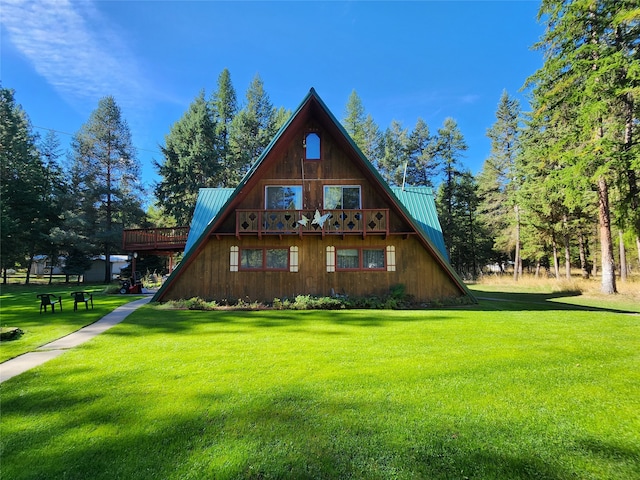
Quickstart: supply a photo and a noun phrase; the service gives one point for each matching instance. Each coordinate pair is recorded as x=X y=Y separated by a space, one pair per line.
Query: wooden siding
x=290 y=168
x=209 y=275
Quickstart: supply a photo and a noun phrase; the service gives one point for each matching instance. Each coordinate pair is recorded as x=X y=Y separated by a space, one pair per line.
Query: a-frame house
x=313 y=216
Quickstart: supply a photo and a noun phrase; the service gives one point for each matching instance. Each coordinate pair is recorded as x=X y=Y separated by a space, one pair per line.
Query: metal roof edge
x=186 y=259
x=435 y=250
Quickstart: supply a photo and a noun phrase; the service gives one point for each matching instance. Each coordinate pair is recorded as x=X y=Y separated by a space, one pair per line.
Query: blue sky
x=406 y=60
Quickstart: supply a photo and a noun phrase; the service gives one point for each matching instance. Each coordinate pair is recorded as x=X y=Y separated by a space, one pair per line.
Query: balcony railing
x=154 y=239
x=308 y=222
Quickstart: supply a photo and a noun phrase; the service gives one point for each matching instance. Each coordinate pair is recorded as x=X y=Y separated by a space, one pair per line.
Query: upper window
x=340 y=197
x=283 y=198
x=312 y=146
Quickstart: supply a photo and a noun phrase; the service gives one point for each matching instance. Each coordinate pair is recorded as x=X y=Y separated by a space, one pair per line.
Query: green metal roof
x=208 y=204
x=421 y=206
x=418 y=201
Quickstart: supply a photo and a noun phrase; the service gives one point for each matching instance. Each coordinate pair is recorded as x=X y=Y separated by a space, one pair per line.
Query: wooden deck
x=155 y=239
x=268 y=222
x=312 y=222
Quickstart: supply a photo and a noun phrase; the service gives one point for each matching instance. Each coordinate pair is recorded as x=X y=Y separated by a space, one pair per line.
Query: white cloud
x=72 y=46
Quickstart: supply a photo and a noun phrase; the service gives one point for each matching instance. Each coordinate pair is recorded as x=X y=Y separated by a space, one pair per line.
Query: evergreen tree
x=280 y=117
x=423 y=166
x=57 y=184
x=74 y=239
x=191 y=161
x=626 y=41
x=24 y=211
x=395 y=156
x=470 y=243
x=252 y=129
x=449 y=148
x=224 y=107
x=409 y=157
x=498 y=182
x=354 y=119
x=591 y=52
x=158 y=218
x=106 y=165
x=362 y=129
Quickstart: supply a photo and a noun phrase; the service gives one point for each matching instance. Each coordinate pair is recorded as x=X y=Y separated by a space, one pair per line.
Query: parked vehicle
x=130 y=286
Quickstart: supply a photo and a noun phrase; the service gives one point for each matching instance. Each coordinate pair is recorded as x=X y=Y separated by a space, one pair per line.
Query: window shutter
x=391 y=258
x=233 y=258
x=331 y=259
x=293 y=259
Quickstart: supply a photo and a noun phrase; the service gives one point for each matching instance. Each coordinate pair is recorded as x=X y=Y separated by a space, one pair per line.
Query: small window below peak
x=312 y=146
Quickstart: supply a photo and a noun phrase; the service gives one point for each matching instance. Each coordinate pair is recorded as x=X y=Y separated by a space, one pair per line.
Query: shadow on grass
x=289 y=432
x=151 y=318
x=508 y=301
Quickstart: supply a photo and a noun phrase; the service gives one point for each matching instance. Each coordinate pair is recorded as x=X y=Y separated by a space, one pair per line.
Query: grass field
x=538 y=385
x=19 y=307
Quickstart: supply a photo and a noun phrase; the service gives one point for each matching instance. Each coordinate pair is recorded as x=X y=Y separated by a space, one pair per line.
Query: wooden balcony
x=312 y=222
x=158 y=239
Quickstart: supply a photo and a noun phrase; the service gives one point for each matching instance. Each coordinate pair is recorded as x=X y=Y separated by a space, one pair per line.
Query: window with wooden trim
x=264 y=259
x=283 y=197
x=342 y=197
x=312 y=146
x=360 y=259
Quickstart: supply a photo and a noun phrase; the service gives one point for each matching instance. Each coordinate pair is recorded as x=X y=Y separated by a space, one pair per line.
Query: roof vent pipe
x=404 y=175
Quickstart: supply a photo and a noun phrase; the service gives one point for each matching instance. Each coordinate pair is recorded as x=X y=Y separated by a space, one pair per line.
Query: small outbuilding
x=96 y=271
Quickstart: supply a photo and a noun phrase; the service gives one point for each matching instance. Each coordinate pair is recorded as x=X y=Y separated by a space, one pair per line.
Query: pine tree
x=423 y=166
x=354 y=119
x=498 y=181
x=586 y=77
x=24 y=201
x=74 y=238
x=395 y=156
x=224 y=107
x=106 y=166
x=191 y=161
x=449 y=148
x=470 y=243
x=252 y=129
x=363 y=129
x=57 y=184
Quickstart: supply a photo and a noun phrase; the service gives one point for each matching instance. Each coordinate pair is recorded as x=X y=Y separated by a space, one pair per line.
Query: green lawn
x=508 y=389
x=19 y=307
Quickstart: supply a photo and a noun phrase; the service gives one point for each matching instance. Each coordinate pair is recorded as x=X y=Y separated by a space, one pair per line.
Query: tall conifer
x=586 y=76
x=191 y=161
x=106 y=165
x=498 y=181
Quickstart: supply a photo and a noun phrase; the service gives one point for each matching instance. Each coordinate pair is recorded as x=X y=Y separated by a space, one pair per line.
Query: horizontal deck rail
x=173 y=238
x=309 y=222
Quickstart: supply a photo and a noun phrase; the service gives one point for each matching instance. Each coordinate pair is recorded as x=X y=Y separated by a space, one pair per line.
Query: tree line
x=560 y=183
x=76 y=212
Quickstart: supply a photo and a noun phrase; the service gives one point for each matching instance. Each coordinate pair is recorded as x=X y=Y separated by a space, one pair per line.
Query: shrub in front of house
x=396 y=299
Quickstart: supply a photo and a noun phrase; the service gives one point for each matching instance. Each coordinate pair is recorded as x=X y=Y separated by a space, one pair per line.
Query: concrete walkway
x=29 y=360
